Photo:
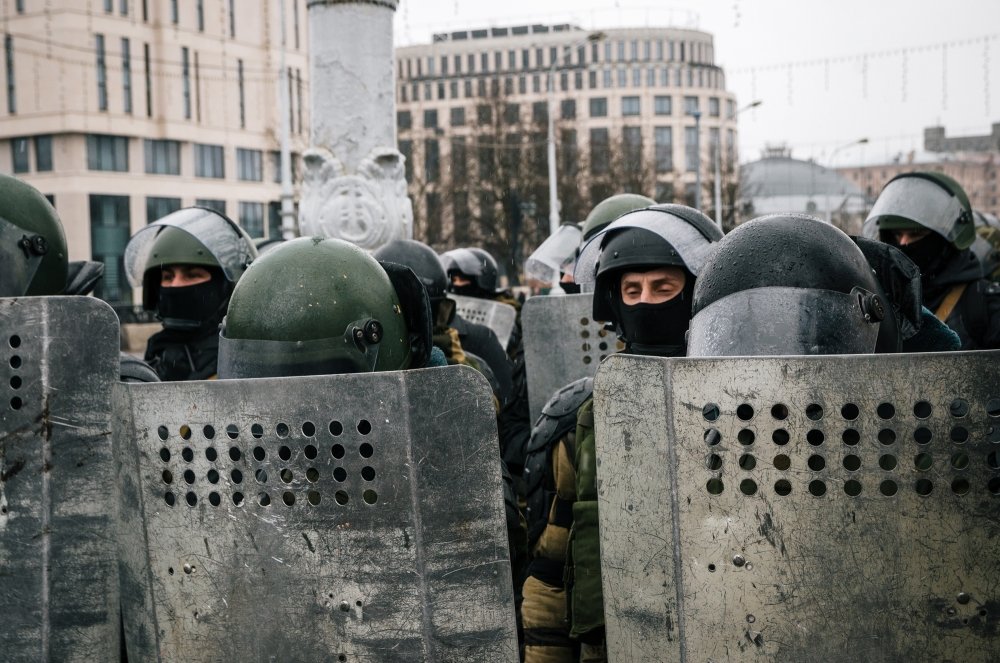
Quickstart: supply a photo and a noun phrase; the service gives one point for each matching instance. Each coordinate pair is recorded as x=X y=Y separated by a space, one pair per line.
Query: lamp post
x=718 y=176
x=553 y=194
x=696 y=114
x=860 y=141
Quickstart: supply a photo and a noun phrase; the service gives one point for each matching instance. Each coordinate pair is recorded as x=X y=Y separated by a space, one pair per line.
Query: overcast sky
x=871 y=69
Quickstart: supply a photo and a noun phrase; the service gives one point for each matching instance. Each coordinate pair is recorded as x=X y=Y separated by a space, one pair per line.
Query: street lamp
x=553 y=194
x=860 y=141
x=718 y=176
x=696 y=114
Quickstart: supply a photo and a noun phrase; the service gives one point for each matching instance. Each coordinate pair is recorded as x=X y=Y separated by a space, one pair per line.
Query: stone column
x=354 y=186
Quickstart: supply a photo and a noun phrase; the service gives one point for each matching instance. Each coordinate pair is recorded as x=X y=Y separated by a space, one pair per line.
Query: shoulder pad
x=133 y=369
x=559 y=414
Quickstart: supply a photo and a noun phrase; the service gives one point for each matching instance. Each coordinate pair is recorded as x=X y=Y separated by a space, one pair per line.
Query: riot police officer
x=32 y=243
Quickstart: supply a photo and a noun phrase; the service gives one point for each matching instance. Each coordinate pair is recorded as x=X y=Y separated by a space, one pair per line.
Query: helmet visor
x=554 y=255
x=918 y=200
x=252 y=358
x=218 y=235
x=17 y=265
x=692 y=246
x=462 y=260
x=781 y=322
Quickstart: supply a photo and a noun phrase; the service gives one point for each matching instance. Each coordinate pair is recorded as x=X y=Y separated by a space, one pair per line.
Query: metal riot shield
x=497 y=316
x=325 y=518
x=839 y=508
x=562 y=343
x=58 y=573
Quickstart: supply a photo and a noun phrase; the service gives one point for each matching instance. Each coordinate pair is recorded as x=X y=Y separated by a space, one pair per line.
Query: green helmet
x=315 y=306
x=610 y=209
x=925 y=201
x=33 y=260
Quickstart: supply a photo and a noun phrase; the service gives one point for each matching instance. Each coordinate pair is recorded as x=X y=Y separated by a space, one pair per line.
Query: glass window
x=691 y=149
x=157 y=208
x=276 y=166
x=430 y=119
x=632 y=148
x=19 y=155
x=252 y=218
x=600 y=151
x=484 y=114
x=200 y=10
x=468 y=88
x=406 y=149
x=567 y=109
x=162 y=157
x=404 y=120
x=102 y=74
x=444 y=65
x=43 y=153
x=512 y=113
x=540 y=112
x=622 y=77
x=598 y=107
x=186 y=82
x=126 y=75
x=630 y=105
x=459 y=158
x=458 y=116
x=522 y=84
x=174 y=12
x=432 y=160
x=636 y=77
x=664 y=192
x=109 y=233
x=536 y=83
x=690 y=105
x=606 y=79
x=569 y=162
x=662 y=105
x=274 y=219
x=453 y=88
x=713 y=106
x=209 y=161
x=8 y=44
x=240 y=87
x=212 y=204
x=249 y=166
x=107 y=152
x=663 y=148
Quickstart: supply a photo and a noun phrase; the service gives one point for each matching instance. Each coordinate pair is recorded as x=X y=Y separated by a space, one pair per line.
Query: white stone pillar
x=354 y=184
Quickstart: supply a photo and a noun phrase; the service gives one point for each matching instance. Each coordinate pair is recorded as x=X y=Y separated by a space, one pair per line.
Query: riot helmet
x=264 y=244
x=474 y=265
x=672 y=238
x=923 y=203
x=610 y=209
x=314 y=306
x=787 y=284
x=422 y=260
x=987 y=244
x=191 y=237
x=555 y=256
x=33 y=257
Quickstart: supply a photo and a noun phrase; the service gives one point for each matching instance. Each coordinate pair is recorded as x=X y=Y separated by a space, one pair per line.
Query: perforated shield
x=58 y=574
x=800 y=509
x=562 y=343
x=497 y=316
x=327 y=518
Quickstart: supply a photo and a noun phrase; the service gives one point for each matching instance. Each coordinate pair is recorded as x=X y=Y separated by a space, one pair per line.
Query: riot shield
x=58 y=573
x=324 y=518
x=562 y=343
x=497 y=316
x=839 y=508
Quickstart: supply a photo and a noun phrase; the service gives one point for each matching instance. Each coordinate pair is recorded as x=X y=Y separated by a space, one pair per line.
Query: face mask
x=193 y=307
x=570 y=288
x=928 y=253
x=656 y=329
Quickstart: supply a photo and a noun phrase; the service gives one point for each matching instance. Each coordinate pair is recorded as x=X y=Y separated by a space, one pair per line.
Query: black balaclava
x=654 y=329
x=194 y=308
x=930 y=253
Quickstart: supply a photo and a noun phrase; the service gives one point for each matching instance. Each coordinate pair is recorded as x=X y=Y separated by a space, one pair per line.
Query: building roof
x=785 y=176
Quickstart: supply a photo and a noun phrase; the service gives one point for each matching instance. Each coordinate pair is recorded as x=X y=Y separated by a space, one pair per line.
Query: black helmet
x=476 y=265
x=422 y=260
x=787 y=284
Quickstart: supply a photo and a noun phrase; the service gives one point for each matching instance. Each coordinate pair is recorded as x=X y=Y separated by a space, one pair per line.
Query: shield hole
x=585 y=347
x=959 y=434
x=189 y=476
x=714 y=486
x=850 y=412
x=851 y=437
x=342 y=658
x=15 y=382
x=168 y=477
x=170 y=571
x=711 y=568
x=922 y=435
x=336 y=428
x=960 y=486
x=959 y=408
x=584 y=321
x=185 y=432
x=710 y=411
x=260 y=476
x=368 y=473
x=281 y=429
x=602 y=346
x=602 y=333
x=163 y=432
x=713 y=462
x=16 y=403
x=191 y=498
x=213 y=476
x=214 y=499
x=308 y=429
x=817 y=488
x=284 y=453
x=712 y=437
x=816 y=463
x=746 y=437
x=187 y=454
x=994 y=485
x=780 y=437
x=264 y=499
x=259 y=454
x=888 y=488
x=887 y=462
x=852 y=488
x=366 y=450
x=370 y=496
x=815 y=437
x=887 y=436
x=15 y=341
x=15 y=362
x=234 y=454
x=341 y=497
x=257 y=430
x=852 y=463
x=923 y=462
x=885 y=411
x=288 y=497
x=364 y=427
x=169 y=498
x=782 y=462
x=211 y=454
x=310 y=452
x=814 y=411
x=337 y=450
x=922 y=410
x=923 y=487
x=993 y=460
x=237 y=476
x=992 y=407
x=312 y=475
x=960 y=460
x=238 y=498
x=208 y=432
x=286 y=475
x=747 y=462
x=587 y=359
x=782 y=487
x=780 y=411
x=164 y=454
x=748 y=487
x=232 y=431
x=339 y=474
x=585 y=334
x=313 y=497
x=745 y=412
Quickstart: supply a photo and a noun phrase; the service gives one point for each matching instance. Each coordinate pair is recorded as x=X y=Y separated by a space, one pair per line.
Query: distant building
x=936 y=141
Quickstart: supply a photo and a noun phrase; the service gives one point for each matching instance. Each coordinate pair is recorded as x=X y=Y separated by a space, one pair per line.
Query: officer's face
x=907 y=237
x=458 y=280
x=179 y=276
x=652 y=287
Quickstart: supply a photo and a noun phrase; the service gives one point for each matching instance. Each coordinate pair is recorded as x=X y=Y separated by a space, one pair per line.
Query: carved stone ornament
x=368 y=208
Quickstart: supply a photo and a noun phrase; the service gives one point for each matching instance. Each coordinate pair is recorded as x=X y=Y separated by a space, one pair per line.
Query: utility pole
x=288 y=229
